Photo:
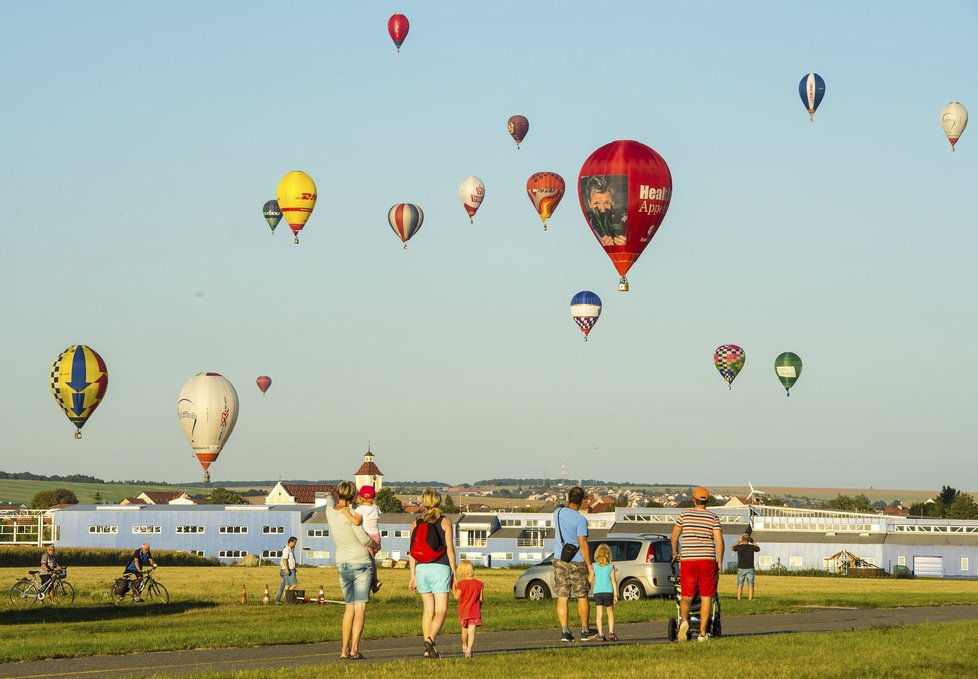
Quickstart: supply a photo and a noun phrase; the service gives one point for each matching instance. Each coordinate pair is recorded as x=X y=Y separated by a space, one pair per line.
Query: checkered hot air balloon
x=78 y=381
x=585 y=309
x=405 y=219
x=729 y=360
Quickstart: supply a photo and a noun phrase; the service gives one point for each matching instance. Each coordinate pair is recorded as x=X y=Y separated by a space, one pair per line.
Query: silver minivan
x=643 y=563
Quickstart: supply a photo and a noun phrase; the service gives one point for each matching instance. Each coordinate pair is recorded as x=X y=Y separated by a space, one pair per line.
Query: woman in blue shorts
x=432 y=566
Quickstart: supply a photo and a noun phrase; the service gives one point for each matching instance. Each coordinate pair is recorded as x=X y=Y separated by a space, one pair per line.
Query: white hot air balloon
x=208 y=409
x=471 y=192
x=954 y=118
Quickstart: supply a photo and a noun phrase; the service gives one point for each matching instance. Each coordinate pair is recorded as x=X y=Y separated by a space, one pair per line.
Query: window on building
x=475 y=557
x=190 y=529
x=234 y=529
x=318 y=533
x=272 y=529
x=198 y=552
x=384 y=533
x=476 y=538
x=318 y=554
x=403 y=533
x=901 y=561
x=964 y=564
x=145 y=530
x=795 y=562
x=232 y=553
x=510 y=522
x=540 y=523
x=765 y=560
x=271 y=553
x=502 y=556
x=112 y=530
x=530 y=556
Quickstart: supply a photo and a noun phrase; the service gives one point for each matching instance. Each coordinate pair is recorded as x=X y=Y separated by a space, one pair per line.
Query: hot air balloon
x=78 y=381
x=788 y=369
x=272 y=214
x=398 y=27
x=545 y=190
x=954 y=118
x=208 y=409
x=296 y=199
x=518 y=126
x=471 y=192
x=585 y=309
x=264 y=382
x=406 y=220
x=625 y=189
x=811 y=89
x=729 y=360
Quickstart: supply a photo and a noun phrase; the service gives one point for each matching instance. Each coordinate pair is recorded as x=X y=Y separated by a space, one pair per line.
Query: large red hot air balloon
x=398 y=27
x=625 y=189
x=264 y=382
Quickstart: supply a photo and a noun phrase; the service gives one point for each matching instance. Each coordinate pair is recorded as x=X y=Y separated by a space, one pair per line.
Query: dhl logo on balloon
x=307 y=196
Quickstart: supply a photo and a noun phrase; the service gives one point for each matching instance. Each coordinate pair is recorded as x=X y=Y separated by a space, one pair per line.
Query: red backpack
x=427 y=542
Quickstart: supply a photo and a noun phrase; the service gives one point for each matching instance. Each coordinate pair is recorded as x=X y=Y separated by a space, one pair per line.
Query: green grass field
x=930 y=650
x=204 y=611
x=17 y=491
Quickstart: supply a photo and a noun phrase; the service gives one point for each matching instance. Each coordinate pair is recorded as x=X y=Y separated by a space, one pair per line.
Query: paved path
x=230 y=659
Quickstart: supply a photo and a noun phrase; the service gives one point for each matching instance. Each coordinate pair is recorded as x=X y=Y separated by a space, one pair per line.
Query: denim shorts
x=435 y=578
x=745 y=574
x=355 y=580
x=289 y=579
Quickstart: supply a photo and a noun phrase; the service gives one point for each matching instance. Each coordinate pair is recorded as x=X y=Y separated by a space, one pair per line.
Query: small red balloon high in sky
x=625 y=189
x=398 y=27
x=264 y=382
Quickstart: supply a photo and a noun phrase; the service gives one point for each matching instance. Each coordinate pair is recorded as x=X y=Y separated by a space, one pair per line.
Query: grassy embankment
x=930 y=650
x=204 y=611
x=17 y=491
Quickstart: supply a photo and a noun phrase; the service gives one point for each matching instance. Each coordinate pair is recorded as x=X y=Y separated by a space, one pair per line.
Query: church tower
x=369 y=473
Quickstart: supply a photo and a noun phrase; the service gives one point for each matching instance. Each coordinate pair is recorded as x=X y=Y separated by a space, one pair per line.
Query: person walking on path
x=698 y=542
x=605 y=590
x=353 y=566
x=745 y=548
x=573 y=570
x=287 y=570
x=468 y=591
x=432 y=567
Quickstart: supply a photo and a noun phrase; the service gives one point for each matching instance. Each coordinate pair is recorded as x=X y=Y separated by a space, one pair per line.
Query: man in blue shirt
x=140 y=558
x=573 y=571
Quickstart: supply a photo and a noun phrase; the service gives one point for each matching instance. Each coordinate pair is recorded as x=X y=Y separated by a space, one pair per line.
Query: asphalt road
x=378 y=650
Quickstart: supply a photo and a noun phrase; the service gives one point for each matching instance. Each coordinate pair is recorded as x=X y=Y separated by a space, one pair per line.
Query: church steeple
x=369 y=473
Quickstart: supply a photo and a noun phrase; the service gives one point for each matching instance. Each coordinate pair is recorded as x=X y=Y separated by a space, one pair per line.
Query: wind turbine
x=750 y=506
x=753 y=492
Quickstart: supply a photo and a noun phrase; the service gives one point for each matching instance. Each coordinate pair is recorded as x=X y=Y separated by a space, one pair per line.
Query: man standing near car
x=573 y=570
x=698 y=541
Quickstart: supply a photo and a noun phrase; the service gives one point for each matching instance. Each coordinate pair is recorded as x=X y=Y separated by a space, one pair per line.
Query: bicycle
x=130 y=588
x=56 y=591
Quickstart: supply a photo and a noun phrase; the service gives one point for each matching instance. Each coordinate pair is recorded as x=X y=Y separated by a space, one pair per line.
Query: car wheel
x=631 y=590
x=537 y=591
x=673 y=629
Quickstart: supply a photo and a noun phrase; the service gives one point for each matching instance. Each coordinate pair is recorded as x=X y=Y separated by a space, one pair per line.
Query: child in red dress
x=468 y=591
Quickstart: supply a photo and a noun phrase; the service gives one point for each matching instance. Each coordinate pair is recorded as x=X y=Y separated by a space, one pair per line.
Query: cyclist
x=139 y=559
x=49 y=567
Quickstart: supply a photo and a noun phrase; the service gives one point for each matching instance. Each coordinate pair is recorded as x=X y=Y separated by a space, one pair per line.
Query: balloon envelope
x=296 y=199
x=787 y=366
x=471 y=192
x=272 y=214
x=518 y=126
x=625 y=189
x=397 y=27
x=264 y=382
x=811 y=89
x=954 y=118
x=729 y=359
x=545 y=190
x=78 y=382
x=208 y=410
x=585 y=309
x=405 y=219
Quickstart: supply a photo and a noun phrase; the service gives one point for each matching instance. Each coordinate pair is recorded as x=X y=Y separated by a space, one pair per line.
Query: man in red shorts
x=697 y=532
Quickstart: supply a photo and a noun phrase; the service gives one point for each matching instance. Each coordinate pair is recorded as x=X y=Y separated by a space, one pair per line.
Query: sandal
x=357 y=656
x=612 y=637
x=429 y=649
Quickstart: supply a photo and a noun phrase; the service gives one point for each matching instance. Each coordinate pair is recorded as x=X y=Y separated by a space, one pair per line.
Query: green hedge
x=26 y=555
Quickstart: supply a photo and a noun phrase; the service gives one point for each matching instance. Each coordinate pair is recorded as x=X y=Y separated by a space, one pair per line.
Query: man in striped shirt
x=697 y=532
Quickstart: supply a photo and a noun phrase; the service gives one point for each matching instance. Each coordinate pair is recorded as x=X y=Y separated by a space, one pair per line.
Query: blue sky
x=142 y=140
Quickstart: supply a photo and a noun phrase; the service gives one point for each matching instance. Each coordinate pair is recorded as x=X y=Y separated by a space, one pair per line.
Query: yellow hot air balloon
x=78 y=381
x=296 y=198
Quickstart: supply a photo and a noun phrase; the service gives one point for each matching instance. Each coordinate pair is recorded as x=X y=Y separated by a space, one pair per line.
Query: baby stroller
x=712 y=628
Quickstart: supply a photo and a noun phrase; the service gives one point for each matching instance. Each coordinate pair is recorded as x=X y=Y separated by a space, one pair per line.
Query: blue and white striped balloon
x=405 y=219
x=585 y=309
x=811 y=89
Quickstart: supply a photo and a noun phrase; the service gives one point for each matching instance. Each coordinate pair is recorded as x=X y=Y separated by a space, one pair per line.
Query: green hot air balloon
x=787 y=366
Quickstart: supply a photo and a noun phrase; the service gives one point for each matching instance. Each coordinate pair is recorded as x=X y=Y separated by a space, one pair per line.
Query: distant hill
x=20 y=491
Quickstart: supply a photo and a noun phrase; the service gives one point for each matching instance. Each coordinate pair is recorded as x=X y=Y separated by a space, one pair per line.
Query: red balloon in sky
x=398 y=26
x=518 y=126
x=264 y=383
x=625 y=189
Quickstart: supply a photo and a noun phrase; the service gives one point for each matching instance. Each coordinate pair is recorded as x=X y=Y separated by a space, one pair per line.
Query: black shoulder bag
x=569 y=551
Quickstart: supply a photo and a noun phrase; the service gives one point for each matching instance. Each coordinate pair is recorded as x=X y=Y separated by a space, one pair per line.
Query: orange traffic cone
x=244 y=595
x=322 y=596
x=264 y=598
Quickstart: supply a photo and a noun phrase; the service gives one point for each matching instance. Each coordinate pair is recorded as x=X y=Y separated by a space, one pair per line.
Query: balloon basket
x=77 y=434
x=623 y=285
x=405 y=246
x=296 y=241
x=544 y=226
